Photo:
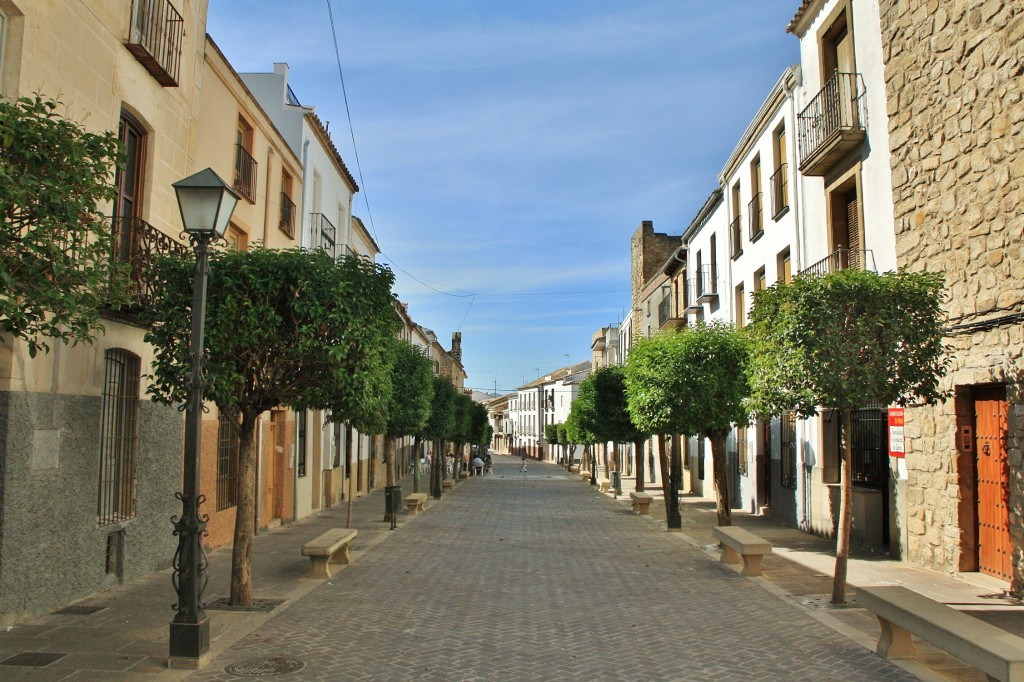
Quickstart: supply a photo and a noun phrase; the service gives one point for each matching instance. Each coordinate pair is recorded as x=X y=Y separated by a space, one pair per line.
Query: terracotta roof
x=798 y=16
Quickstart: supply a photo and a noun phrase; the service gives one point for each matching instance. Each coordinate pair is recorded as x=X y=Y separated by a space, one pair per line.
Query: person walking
x=523 y=469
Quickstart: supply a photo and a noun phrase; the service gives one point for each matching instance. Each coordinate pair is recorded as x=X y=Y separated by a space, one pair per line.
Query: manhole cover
x=34 y=659
x=80 y=610
x=267 y=666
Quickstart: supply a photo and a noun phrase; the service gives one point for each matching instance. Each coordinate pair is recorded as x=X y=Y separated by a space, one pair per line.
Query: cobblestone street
x=537 y=577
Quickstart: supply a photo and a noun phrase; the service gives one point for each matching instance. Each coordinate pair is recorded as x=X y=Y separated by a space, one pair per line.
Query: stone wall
x=954 y=89
x=649 y=251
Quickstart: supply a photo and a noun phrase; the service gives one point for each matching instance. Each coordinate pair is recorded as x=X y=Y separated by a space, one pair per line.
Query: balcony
x=245 y=173
x=287 y=223
x=328 y=233
x=707 y=284
x=832 y=124
x=737 y=236
x=841 y=259
x=156 y=35
x=138 y=243
x=692 y=306
x=666 y=317
x=780 y=192
x=756 y=218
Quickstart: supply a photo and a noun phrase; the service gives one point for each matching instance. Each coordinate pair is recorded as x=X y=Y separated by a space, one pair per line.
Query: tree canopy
x=56 y=269
x=412 y=390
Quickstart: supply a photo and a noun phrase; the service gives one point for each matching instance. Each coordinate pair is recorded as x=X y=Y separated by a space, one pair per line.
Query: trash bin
x=617 y=482
x=393 y=501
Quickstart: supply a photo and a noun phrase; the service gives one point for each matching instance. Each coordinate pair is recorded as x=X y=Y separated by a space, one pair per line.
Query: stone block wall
x=649 y=251
x=954 y=78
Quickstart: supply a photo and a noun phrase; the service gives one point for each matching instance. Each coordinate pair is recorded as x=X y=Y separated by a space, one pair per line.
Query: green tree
x=55 y=244
x=439 y=428
x=283 y=328
x=692 y=382
x=582 y=417
x=839 y=342
x=562 y=435
x=551 y=434
x=408 y=406
x=614 y=423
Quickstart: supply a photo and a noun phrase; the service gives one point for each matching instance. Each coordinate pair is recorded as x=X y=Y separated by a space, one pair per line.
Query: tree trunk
x=245 y=514
x=416 y=446
x=845 y=510
x=436 y=470
x=675 y=519
x=638 y=463
x=663 y=464
x=720 y=463
x=389 y=471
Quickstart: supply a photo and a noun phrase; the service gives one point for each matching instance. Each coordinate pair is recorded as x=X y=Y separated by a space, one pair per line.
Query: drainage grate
x=823 y=602
x=79 y=610
x=268 y=666
x=33 y=659
x=258 y=605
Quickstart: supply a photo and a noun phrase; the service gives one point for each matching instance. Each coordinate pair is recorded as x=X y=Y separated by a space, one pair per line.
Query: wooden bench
x=602 y=484
x=736 y=543
x=902 y=612
x=414 y=503
x=329 y=548
x=641 y=502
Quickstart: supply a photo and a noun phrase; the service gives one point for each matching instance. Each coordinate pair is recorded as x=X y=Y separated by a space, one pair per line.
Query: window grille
x=227 y=462
x=741 y=450
x=300 y=443
x=337 y=445
x=119 y=436
x=787 y=443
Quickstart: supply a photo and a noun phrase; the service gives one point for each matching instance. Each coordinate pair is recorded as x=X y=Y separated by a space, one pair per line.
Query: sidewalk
x=122 y=633
x=801 y=567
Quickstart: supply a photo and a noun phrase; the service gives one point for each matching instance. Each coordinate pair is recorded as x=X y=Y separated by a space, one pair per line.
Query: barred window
x=227 y=462
x=741 y=450
x=787 y=442
x=119 y=436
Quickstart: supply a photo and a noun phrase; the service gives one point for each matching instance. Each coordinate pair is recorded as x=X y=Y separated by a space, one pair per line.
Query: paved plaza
x=512 y=576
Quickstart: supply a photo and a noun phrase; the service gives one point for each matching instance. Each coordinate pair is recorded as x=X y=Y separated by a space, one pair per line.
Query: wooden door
x=994 y=548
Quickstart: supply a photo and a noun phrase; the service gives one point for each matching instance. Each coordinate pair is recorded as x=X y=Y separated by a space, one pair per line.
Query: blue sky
x=508 y=149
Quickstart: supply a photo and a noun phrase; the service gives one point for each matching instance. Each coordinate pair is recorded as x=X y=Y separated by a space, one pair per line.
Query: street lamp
x=206 y=203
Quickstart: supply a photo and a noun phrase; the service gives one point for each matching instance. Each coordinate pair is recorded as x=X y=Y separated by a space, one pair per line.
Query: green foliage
x=613 y=423
x=480 y=429
x=583 y=415
x=412 y=389
x=551 y=434
x=847 y=339
x=441 y=423
x=692 y=381
x=563 y=434
x=56 y=272
x=289 y=327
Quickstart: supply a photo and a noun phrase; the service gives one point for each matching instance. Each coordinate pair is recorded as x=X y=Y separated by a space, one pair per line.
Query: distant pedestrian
x=478 y=465
x=488 y=464
x=523 y=469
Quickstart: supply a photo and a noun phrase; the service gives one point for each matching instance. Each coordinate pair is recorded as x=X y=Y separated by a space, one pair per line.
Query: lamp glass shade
x=206 y=203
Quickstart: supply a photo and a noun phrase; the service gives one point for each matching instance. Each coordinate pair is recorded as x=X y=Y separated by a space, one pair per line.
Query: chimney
x=457 y=346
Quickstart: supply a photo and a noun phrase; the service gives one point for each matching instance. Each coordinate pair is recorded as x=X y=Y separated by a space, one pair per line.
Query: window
x=227 y=462
x=741 y=308
x=844 y=222
x=300 y=443
x=779 y=182
x=128 y=182
x=787 y=442
x=741 y=450
x=785 y=267
x=754 y=212
x=236 y=238
x=713 y=254
x=119 y=436
x=245 y=164
x=336 y=461
x=287 y=222
x=735 y=226
x=759 y=280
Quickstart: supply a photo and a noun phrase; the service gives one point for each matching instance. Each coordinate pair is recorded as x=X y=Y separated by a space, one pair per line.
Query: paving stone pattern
x=537 y=577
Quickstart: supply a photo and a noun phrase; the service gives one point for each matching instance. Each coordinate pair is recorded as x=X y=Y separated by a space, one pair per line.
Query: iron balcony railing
x=287 y=223
x=780 y=194
x=838 y=107
x=245 y=173
x=692 y=305
x=735 y=227
x=156 y=36
x=328 y=233
x=841 y=259
x=756 y=218
x=138 y=244
x=664 y=310
x=707 y=283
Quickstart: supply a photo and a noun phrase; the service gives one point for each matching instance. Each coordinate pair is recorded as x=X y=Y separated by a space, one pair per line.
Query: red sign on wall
x=897 y=443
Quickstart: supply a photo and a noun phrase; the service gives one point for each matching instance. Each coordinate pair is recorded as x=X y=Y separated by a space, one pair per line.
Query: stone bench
x=329 y=548
x=641 y=502
x=414 y=503
x=574 y=468
x=448 y=484
x=603 y=484
x=736 y=543
x=902 y=612
x=585 y=475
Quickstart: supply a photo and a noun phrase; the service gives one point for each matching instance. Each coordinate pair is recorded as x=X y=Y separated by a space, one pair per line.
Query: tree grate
x=267 y=666
x=33 y=659
x=80 y=610
x=258 y=605
x=823 y=602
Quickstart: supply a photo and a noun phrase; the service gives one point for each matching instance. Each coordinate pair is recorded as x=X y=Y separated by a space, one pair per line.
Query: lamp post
x=206 y=203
